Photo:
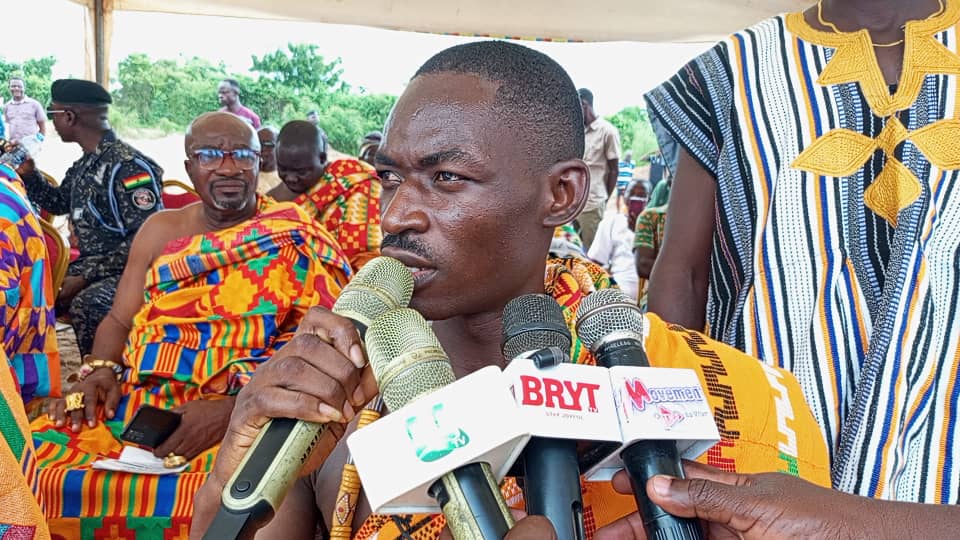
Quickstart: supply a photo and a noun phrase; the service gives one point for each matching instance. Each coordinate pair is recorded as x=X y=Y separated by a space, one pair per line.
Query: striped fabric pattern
x=804 y=275
x=216 y=306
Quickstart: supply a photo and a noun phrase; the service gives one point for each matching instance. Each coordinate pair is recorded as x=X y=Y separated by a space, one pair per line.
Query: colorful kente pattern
x=26 y=294
x=20 y=515
x=216 y=306
x=347 y=202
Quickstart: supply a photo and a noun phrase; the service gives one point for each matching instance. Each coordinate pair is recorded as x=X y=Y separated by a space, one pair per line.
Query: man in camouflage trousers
x=108 y=193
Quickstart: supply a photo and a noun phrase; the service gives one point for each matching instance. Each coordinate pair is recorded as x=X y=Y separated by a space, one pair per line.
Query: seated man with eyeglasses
x=210 y=291
x=107 y=194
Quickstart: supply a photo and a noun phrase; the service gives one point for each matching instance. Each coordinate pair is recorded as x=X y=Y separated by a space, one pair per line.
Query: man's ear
x=569 y=184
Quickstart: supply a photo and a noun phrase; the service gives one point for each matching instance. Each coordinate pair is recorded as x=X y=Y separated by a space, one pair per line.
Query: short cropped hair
x=586 y=95
x=536 y=97
x=301 y=132
x=233 y=84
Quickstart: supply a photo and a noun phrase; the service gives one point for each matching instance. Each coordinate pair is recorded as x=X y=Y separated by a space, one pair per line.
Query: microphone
x=408 y=362
x=257 y=488
x=611 y=325
x=534 y=328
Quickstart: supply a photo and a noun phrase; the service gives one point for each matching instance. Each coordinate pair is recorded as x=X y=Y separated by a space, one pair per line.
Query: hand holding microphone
x=409 y=362
x=612 y=326
x=768 y=506
x=316 y=378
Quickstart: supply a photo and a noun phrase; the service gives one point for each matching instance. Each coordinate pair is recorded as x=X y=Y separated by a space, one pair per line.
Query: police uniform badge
x=144 y=199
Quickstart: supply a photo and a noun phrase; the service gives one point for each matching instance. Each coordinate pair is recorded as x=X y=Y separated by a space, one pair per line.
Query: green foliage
x=166 y=93
x=348 y=117
x=156 y=97
x=635 y=132
x=302 y=70
x=281 y=86
x=37 y=74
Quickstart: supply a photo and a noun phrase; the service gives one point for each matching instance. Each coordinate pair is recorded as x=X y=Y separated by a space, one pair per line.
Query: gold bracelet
x=92 y=364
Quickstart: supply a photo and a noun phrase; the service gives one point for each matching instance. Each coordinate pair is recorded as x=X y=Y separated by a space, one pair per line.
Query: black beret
x=79 y=92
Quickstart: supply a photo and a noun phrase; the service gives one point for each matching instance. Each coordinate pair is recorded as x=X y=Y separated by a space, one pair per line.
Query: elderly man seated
x=209 y=292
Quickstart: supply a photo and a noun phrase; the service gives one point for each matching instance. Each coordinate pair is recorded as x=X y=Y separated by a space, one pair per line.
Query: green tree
x=302 y=70
x=37 y=75
x=346 y=118
x=636 y=134
x=281 y=86
x=165 y=94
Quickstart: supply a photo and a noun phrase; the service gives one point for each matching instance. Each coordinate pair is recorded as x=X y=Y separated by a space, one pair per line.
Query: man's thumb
x=703 y=499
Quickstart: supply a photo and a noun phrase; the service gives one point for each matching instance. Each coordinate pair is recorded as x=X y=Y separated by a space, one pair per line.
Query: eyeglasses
x=211 y=159
x=51 y=112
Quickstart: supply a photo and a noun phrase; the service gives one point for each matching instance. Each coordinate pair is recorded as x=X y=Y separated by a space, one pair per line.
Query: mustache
x=219 y=178
x=406 y=242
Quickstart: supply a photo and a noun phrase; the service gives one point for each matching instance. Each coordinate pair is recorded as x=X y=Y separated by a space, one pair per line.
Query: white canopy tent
x=560 y=20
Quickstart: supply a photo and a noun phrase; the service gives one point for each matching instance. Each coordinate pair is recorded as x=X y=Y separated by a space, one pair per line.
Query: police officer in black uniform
x=108 y=193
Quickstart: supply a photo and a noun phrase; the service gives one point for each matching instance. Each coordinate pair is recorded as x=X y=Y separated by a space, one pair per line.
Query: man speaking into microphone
x=480 y=162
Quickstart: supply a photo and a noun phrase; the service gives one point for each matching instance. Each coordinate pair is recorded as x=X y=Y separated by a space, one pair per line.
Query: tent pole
x=99 y=52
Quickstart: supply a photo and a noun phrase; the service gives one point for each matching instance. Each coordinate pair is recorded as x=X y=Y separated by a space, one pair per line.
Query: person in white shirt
x=612 y=247
x=24 y=116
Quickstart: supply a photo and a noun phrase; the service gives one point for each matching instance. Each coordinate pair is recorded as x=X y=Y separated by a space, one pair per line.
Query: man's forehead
x=222 y=141
x=296 y=153
x=440 y=111
x=450 y=87
x=222 y=134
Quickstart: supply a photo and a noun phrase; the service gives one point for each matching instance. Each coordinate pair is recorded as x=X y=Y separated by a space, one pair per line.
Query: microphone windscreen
x=605 y=313
x=382 y=284
x=532 y=322
x=406 y=357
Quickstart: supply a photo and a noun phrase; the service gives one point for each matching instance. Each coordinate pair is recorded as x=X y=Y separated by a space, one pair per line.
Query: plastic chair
x=177 y=194
x=57 y=254
x=53 y=182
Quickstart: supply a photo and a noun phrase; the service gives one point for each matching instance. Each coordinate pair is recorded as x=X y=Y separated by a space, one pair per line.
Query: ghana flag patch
x=137 y=180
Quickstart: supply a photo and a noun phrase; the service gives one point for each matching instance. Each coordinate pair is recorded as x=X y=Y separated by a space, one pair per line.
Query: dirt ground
x=69 y=354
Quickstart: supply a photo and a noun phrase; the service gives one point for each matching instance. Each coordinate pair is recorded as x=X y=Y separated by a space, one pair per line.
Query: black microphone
x=408 y=362
x=257 y=488
x=611 y=325
x=534 y=327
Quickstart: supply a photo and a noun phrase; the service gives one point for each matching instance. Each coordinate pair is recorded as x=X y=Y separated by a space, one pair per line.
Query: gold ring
x=74 y=401
x=172 y=461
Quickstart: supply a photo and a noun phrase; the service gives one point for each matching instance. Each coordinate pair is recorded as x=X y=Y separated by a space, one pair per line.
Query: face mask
x=635 y=205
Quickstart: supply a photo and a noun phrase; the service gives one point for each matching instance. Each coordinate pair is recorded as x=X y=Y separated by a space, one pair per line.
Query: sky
x=379 y=61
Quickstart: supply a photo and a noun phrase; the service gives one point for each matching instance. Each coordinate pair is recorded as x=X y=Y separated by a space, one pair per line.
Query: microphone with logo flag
x=256 y=490
x=534 y=331
x=611 y=325
x=409 y=363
